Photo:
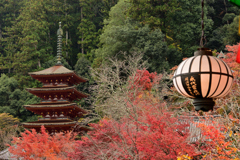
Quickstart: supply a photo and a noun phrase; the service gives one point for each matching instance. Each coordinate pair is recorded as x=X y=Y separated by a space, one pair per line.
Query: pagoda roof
x=221 y=55
x=49 y=124
x=51 y=89
x=78 y=94
x=54 y=106
x=57 y=70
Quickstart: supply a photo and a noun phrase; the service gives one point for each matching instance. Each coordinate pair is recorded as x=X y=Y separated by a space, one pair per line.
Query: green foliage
x=222 y=13
x=185 y=26
x=231 y=32
x=53 y=62
x=216 y=41
x=154 y=13
x=28 y=28
x=121 y=34
x=225 y=35
x=9 y=11
x=82 y=68
x=87 y=29
x=12 y=98
x=33 y=41
x=28 y=32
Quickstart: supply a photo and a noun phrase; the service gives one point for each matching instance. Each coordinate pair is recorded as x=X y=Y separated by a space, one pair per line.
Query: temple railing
x=194 y=121
x=55 y=118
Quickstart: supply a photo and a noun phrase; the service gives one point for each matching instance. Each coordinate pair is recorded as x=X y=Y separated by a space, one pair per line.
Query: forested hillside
x=164 y=31
x=128 y=50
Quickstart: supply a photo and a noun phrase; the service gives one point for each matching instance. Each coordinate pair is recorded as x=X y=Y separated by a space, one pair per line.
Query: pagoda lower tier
x=55 y=117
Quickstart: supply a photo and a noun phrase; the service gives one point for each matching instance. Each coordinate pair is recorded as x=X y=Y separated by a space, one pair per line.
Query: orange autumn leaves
x=37 y=146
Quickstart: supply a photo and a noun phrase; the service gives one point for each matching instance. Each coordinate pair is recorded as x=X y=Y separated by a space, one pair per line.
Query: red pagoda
x=57 y=111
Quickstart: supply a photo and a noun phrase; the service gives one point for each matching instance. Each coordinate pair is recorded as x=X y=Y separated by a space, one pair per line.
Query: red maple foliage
x=149 y=132
x=148 y=137
x=37 y=146
x=143 y=80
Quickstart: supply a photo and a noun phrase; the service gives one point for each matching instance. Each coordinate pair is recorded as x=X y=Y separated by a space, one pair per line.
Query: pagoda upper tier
x=57 y=76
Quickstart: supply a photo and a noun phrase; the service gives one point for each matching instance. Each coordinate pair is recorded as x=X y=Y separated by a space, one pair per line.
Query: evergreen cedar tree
x=12 y=98
x=35 y=23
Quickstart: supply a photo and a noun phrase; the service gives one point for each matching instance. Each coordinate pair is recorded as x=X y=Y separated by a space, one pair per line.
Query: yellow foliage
x=230 y=134
x=184 y=157
x=7 y=120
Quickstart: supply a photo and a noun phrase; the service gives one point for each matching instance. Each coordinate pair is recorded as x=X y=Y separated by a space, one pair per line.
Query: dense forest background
x=165 y=31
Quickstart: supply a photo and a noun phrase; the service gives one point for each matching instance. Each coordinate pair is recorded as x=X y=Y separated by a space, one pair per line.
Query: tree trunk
x=39 y=63
x=49 y=38
x=226 y=9
x=82 y=32
x=0 y=32
x=66 y=43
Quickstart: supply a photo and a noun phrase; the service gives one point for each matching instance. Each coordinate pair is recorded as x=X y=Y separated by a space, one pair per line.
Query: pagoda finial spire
x=59 y=44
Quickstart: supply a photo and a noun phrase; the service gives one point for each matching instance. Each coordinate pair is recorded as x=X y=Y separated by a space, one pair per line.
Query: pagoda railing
x=55 y=85
x=52 y=100
x=55 y=118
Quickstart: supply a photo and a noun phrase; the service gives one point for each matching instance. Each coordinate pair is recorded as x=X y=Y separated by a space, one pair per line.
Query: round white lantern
x=203 y=77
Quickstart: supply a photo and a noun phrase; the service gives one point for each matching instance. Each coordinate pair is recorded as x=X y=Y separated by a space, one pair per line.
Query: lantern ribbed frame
x=203 y=76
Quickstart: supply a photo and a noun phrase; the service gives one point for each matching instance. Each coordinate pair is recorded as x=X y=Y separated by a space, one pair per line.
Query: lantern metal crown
x=203 y=77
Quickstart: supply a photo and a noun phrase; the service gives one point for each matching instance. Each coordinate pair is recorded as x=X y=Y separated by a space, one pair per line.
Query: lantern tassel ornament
x=203 y=77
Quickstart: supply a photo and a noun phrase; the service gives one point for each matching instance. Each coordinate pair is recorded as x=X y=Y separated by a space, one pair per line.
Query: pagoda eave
x=40 y=107
x=54 y=90
x=67 y=92
x=42 y=90
x=49 y=124
x=51 y=127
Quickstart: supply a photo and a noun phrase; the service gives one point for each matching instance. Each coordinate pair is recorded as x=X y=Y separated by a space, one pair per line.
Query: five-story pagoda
x=57 y=111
